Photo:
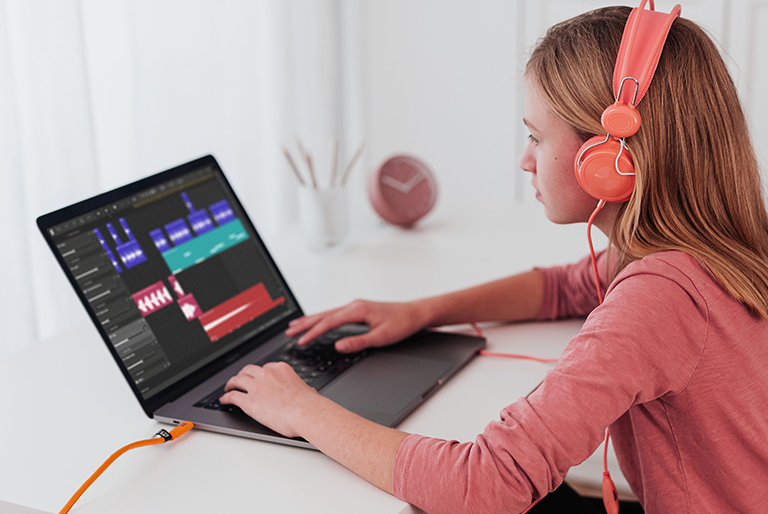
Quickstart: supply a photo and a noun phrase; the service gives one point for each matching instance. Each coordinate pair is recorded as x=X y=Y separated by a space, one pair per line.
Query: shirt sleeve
x=642 y=343
x=569 y=291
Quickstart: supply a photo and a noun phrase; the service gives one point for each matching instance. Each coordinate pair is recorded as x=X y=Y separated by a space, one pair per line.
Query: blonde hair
x=697 y=188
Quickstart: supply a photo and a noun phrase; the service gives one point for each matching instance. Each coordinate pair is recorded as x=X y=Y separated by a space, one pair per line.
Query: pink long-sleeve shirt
x=675 y=366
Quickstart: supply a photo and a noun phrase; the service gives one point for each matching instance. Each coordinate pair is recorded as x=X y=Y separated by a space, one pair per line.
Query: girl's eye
x=531 y=138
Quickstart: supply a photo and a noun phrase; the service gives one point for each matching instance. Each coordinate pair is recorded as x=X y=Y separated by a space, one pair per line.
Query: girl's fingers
x=234 y=398
x=337 y=319
x=302 y=324
x=357 y=343
x=239 y=382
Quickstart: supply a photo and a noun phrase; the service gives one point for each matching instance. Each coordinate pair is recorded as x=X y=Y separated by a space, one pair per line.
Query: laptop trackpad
x=386 y=383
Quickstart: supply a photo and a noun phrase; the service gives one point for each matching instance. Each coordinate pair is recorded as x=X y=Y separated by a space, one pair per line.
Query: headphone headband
x=603 y=165
x=640 y=50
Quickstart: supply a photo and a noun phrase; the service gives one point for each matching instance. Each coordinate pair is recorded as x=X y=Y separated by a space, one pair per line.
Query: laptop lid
x=174 y=275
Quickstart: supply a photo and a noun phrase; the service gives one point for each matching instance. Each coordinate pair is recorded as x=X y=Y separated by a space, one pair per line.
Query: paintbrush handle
x=352 y=164
x=334 y=158
x=293 y=166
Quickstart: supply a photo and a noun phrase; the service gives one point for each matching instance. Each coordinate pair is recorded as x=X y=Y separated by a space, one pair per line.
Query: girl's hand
x=272 y=395
x=388 y=322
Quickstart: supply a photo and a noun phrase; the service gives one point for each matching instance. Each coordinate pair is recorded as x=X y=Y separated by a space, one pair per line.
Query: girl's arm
x=277 y=397
x=630 y=351
x=364 y=447
x=515 y=298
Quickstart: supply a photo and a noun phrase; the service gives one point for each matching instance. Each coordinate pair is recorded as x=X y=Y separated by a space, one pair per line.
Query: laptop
x=184 y=293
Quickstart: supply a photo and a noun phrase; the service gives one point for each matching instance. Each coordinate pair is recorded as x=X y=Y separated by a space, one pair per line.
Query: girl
x=675 y=359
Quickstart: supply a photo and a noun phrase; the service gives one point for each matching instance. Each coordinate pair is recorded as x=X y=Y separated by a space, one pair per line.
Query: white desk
x=67 y=406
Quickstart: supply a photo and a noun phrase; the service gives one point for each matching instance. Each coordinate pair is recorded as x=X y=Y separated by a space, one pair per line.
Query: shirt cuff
x=403 y=465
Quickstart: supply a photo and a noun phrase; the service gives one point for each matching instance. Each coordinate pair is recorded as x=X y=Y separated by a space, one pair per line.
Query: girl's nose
x=527 y=162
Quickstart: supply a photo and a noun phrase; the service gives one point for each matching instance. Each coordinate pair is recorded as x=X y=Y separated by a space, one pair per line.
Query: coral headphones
x=603 y=165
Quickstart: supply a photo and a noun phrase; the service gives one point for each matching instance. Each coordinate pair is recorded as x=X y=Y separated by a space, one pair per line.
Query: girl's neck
x=606 y=218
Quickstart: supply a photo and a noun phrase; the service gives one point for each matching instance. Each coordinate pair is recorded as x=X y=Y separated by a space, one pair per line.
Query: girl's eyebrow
x=529 y=124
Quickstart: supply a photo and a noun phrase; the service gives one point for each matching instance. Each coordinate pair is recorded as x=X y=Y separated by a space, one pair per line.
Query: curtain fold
x=95 y=94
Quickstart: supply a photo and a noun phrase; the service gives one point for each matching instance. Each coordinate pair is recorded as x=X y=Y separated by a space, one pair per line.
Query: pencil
x=308 y=159
x=302 y=151
x=334 y=157
x=293 y=165
x=352 y=163
x=311 y=171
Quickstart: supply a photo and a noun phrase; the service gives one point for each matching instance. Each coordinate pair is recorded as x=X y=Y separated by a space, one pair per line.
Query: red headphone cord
x=479 y=333
x=610 y=496
x=164 y=436
x=511 y=356
x=516 y=356
x=161 y=437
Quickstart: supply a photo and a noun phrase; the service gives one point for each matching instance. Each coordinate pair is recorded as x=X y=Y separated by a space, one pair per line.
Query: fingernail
x=302 y=340
x=342 y=346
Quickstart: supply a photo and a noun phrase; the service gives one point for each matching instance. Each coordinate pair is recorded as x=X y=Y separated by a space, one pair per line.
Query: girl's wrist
x=425 y=311
x=306 y=410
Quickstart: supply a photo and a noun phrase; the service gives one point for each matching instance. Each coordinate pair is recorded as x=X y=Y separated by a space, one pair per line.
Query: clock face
x=407 y=189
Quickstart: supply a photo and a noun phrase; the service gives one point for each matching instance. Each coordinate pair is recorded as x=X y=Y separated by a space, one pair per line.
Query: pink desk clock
x=402 y=190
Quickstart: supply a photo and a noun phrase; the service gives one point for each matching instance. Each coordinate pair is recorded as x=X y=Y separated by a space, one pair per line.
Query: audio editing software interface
x=174 y=276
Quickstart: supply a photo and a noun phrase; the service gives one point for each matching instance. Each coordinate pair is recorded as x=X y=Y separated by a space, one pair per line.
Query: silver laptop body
x=184 y=293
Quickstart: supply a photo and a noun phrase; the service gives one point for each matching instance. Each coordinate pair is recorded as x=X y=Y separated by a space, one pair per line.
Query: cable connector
x=176 y=432
x=181 y=429
x=165 y=435
x=610 y=496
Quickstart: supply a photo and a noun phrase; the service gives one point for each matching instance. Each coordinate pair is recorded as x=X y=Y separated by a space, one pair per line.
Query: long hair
x=697 y=183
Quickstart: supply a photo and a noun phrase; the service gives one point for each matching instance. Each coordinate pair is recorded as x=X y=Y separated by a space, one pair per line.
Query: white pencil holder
x=323 y=216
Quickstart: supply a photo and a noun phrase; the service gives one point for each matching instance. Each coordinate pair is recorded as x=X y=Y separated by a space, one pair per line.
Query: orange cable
x=164 y=436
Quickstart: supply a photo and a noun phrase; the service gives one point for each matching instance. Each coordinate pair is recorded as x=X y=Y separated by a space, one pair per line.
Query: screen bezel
x=173 y=391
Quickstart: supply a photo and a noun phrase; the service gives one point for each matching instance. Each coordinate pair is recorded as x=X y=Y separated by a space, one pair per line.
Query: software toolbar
x=111 y=301
x=173 y=275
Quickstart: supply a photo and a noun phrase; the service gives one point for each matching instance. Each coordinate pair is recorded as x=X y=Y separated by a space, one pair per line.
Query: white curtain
x=95 y=94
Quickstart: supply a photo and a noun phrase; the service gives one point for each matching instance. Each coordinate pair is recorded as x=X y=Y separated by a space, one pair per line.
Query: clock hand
x=418 y=177
x=391 y=182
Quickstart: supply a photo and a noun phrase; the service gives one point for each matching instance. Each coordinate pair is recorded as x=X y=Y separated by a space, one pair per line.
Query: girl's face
x=548 y=157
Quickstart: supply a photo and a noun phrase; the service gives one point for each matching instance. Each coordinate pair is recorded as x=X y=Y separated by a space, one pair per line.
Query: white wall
x=746 y=27
x=443 y=80
x=97 y=93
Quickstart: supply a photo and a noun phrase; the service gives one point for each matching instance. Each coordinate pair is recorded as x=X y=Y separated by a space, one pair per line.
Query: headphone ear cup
x=597 y=173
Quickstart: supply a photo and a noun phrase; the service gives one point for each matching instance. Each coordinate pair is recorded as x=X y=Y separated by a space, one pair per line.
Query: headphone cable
x=610 y=496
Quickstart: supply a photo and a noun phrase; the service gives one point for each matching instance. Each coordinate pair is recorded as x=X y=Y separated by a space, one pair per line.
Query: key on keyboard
x=317 y=364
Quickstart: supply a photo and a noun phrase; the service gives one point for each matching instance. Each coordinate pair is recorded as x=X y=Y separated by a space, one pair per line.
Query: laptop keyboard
x=317 y=364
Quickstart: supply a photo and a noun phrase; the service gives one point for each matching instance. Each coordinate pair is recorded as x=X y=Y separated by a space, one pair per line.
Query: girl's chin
x=557 y=217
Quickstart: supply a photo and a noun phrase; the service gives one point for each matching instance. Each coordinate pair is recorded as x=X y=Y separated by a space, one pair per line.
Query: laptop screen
x=174 y=275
